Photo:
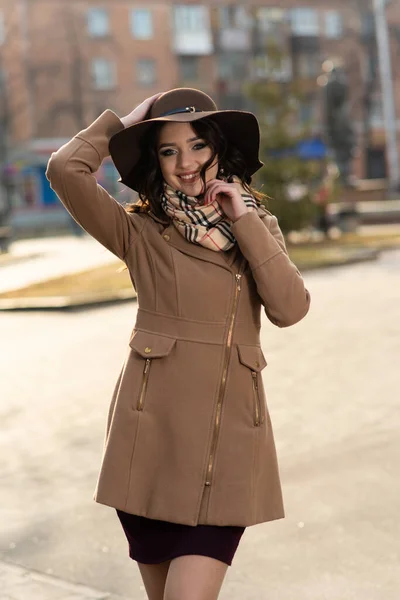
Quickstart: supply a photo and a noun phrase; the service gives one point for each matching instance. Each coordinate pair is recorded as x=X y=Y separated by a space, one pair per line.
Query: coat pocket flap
x=252 y=357
x=151 y=345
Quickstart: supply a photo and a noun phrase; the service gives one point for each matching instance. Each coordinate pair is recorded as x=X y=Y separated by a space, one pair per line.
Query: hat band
x=187 y=109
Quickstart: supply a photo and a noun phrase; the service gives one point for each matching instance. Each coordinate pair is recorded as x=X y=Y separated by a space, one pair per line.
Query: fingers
x=211 y=193
x=148 y=101
x=140 y=112
x=216 y=187
x=153 y=98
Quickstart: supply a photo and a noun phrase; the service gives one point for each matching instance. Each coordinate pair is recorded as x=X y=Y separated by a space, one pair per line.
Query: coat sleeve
x=279 y=283
x=71 y=174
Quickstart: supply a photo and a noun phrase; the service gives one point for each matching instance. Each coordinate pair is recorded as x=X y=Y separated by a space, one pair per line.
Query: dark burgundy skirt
x=154 y=542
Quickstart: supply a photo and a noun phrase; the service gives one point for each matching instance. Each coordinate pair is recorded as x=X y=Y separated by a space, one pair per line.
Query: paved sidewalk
x=17 y=583
x=40 y=259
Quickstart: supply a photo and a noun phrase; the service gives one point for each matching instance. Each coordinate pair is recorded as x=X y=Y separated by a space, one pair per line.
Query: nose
x=185 y=163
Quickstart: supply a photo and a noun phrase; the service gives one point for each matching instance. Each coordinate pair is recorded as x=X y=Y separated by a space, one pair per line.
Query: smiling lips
x=189 y=177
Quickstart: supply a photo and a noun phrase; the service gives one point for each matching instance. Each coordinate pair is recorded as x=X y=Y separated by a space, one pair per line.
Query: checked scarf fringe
x=203 y=225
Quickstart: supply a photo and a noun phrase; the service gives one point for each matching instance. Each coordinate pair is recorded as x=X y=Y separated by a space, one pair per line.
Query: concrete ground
x=333 y=390
x=33 y=260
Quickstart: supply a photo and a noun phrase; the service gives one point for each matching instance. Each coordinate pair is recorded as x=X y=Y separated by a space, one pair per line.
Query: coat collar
x=163 y=220
x=178 y=241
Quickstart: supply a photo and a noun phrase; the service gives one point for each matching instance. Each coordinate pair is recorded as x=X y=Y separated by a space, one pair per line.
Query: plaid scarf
x=203 y=225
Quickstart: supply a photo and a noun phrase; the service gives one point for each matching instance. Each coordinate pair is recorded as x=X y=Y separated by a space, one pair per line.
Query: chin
x=191 y=190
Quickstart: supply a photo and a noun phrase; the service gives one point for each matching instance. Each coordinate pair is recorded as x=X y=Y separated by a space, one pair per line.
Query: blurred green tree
x=288 y=180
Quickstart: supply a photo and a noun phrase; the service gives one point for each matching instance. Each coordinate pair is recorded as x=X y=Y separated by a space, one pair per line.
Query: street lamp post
x=389 y=111
x=5 y=187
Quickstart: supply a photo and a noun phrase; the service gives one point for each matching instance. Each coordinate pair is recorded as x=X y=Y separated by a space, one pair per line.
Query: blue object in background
x=48 y=197
x=312 y=149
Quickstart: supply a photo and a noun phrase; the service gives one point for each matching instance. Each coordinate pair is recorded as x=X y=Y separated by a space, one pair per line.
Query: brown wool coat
x=189 y=436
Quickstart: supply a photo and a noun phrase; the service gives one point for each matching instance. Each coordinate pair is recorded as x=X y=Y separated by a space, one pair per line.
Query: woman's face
x=182 y=155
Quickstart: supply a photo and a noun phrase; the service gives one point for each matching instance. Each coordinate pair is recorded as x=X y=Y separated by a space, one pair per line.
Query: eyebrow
x=187 y=141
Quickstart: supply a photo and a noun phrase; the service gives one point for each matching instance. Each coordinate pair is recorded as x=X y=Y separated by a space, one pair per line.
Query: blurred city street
x=333 y=391
x=322 y=79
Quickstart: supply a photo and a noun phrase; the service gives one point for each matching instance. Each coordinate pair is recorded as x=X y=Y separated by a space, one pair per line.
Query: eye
x=167 y=152
x=199 y=146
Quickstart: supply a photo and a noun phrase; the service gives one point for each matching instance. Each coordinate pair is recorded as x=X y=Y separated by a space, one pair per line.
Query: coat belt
x=206 y=332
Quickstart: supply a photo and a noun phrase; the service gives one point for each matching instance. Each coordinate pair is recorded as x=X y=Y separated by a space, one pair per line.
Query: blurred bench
x=382 y=212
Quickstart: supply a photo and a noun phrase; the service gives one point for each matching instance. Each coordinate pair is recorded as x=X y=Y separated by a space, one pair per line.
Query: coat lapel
x=176 y=239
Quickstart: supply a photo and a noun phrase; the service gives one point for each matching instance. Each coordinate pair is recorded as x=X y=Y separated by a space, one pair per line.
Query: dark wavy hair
x=148 y=174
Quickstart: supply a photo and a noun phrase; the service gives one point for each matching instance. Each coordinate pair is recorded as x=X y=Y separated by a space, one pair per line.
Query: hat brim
x=240 y=128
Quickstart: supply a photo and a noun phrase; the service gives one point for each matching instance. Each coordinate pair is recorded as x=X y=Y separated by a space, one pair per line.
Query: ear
x=221 y=174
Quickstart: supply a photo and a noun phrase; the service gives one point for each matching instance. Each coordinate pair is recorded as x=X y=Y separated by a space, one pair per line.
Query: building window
x=234 y=17
x=98 y=22
x=368 y=25
x=192 y=33
x=305 y=21
x=376 y=163
x=333 y=24
x=226 y=16
x=232 y=66
x=191 y=18
x=376 y=118
x=269 y=18
x=141 y=23
x=308 y=65
x=104 y=74
x=146 y=72
x=188 y=68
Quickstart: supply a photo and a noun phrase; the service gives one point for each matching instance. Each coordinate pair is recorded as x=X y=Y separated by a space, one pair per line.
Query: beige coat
x=189 y=436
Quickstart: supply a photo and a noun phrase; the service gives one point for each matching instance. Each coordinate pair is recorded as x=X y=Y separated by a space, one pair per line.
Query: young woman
x=189 y=459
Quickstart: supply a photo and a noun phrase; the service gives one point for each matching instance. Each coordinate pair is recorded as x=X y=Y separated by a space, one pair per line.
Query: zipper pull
x=146 y=366
x=238 y=278
x=254 y=376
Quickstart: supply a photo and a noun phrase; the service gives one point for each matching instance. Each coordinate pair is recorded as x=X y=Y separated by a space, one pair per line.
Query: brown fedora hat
x=184 y=105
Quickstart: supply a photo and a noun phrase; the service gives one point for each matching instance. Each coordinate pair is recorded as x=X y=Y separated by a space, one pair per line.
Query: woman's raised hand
x=228 y=197
x=138 y=114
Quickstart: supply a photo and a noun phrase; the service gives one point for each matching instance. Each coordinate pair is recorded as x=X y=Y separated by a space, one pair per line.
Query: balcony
x=193 y=43
x=234 y=39
x=192 y=30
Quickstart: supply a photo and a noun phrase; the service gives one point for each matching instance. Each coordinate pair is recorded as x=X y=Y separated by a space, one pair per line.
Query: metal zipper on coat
x=257 y=402
x=145 y=379
x=217 y=421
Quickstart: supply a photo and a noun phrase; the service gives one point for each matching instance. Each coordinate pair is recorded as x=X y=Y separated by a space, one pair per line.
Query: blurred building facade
x=62 y=63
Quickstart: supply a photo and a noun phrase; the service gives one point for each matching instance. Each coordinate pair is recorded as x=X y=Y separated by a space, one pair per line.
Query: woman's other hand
x=228 y=197
x=139 y=113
